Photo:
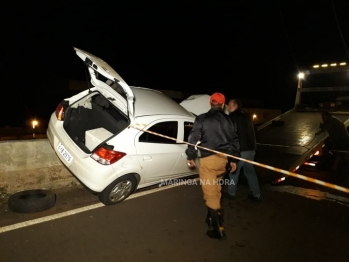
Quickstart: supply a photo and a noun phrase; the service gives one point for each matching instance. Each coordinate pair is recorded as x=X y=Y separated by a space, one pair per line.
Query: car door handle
x=147 y=158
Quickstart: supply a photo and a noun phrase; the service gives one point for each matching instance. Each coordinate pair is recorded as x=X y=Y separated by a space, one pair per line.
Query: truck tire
x=31 y=201
x=119 y=190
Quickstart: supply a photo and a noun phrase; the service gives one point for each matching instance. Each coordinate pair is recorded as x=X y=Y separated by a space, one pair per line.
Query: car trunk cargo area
x=92 y=120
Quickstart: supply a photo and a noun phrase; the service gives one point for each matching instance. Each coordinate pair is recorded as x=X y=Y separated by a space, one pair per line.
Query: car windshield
x=326 y=90
x=326 y=79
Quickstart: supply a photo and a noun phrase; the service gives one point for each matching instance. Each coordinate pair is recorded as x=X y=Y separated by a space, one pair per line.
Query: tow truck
x=288 y=141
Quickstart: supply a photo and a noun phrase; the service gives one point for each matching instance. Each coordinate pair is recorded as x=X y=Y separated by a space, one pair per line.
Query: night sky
x=246 y=49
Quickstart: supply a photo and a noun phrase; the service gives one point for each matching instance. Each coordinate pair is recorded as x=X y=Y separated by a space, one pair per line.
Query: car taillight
x=107 y=156
x=60 y=112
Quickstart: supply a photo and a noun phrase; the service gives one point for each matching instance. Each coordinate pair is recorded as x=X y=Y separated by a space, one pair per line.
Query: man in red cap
x=216 y=131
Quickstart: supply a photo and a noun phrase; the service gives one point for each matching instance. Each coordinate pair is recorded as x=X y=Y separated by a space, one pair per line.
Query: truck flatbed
x=289 y=145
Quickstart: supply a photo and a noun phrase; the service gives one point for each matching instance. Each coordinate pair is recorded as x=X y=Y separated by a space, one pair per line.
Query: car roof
x=152 y=102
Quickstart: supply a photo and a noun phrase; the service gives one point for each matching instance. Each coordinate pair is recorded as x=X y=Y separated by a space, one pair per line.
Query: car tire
x=31 y=201
x=119 y=190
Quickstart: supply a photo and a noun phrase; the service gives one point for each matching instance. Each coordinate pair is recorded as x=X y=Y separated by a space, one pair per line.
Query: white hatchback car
x=91 y=134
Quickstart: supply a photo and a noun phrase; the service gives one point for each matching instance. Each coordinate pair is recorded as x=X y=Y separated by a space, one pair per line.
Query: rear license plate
x=65 y=154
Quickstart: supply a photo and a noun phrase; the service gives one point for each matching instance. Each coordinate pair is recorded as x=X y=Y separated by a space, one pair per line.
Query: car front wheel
x=119 y=190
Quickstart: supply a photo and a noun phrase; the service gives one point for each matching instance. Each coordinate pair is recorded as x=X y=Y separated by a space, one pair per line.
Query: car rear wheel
x=119 y=190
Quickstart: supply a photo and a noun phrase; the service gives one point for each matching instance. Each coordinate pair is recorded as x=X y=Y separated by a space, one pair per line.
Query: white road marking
x=308 y=193
x=83 y=209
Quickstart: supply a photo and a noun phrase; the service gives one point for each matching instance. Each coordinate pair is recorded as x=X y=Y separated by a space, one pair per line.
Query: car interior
x=94 y=112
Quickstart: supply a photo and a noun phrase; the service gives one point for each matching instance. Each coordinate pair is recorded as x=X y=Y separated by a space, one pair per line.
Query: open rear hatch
x=108 y=82
x=104 y=112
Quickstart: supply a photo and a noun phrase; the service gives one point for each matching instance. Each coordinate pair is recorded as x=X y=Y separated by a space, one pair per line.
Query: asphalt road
x=169 y=226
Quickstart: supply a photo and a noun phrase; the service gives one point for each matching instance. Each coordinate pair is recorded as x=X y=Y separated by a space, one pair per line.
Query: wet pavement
x=291 y=223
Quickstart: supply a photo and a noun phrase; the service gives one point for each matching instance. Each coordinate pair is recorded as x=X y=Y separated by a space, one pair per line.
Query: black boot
x=208 y=220
x=217 y=223
x=221 y=216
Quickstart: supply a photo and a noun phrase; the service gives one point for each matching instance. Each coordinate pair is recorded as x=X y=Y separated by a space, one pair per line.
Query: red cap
x=217 y=98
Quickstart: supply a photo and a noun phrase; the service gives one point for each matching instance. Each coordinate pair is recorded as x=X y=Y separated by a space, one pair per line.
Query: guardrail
x=22 y=137
x=31 y=164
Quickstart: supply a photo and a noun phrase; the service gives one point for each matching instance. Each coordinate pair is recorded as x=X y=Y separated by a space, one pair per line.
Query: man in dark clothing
x=338 y=134
x=247 y=140
x=213 y=130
